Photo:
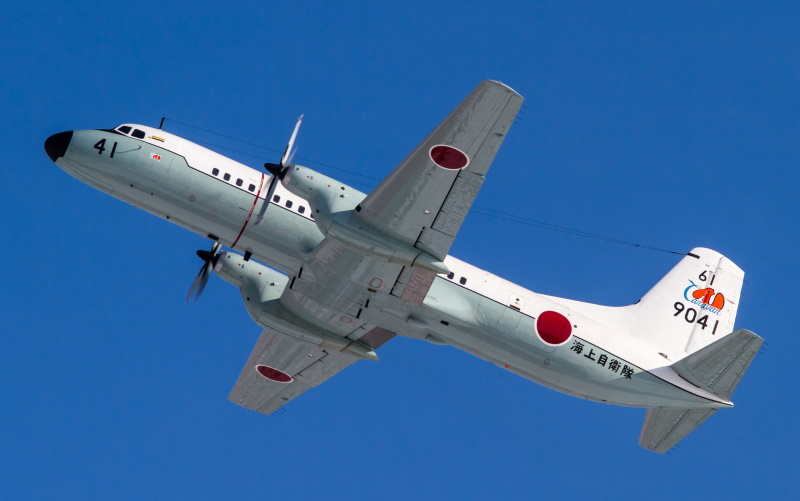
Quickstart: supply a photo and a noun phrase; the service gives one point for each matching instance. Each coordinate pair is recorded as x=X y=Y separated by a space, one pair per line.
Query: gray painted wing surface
x=423 y=204
x=308 y=364
x=719 y=367
x=663 y=428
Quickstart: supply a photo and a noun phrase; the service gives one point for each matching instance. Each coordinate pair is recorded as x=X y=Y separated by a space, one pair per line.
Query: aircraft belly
x=481 y=326
x=571 y=375
x=576 y=368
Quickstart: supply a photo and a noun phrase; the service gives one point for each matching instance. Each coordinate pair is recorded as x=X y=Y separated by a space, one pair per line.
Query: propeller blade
x=273 y=182
x=215 y=248
x=291 y=155
x=201 y=279
x=279 y=170
x=288 y=153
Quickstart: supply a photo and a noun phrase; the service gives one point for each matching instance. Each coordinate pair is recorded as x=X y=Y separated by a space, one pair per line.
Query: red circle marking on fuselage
x=553 y=328
x=448 y=157
x=274 y=374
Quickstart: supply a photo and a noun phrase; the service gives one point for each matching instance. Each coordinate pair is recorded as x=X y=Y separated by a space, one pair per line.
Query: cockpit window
x=125 y=129
x=138 y=134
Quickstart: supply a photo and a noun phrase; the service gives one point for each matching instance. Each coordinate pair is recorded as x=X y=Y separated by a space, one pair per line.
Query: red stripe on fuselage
x=252 y=208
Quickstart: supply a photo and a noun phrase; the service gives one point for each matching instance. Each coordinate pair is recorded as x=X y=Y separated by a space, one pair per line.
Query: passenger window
x=226 y=177
x=125 y=130
x=451 y=275
x=463 y=281
x=138 y=134
x=288 y=204
x=239 y=182
x=215 y=172
x=252 y=187
x=301 y=209
x=276 y=199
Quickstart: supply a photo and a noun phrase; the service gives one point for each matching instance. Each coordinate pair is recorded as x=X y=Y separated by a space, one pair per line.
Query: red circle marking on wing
x=274 y=374
x=448 y=157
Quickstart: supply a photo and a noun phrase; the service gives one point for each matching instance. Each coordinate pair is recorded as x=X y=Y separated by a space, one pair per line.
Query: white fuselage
x=471 y=309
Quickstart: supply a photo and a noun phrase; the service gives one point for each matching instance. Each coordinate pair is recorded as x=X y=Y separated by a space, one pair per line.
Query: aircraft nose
x=56 y=145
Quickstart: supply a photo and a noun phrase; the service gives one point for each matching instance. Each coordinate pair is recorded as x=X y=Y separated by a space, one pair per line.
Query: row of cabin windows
x=462 y=280
x=288 y=203
x=138 y=134
x=227 y=177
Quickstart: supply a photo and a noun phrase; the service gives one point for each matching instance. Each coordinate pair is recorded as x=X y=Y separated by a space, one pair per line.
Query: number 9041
x=690 y=315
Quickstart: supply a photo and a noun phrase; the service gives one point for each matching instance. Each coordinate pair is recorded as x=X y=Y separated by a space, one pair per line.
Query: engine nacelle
x=326 y=195
x=261 y=288
x=333 y=206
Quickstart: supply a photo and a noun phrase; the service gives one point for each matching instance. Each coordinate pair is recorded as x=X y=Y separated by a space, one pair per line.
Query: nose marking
x=56 y=145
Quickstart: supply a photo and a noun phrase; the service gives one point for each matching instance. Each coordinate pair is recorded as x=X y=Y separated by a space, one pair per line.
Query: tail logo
x=706 y=298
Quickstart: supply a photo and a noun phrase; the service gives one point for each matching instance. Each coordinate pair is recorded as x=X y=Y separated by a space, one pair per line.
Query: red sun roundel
x=448 y=157
x=274 y=374
x=553 y=328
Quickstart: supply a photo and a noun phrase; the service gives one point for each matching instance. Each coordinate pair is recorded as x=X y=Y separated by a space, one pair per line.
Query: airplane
x=331 y=273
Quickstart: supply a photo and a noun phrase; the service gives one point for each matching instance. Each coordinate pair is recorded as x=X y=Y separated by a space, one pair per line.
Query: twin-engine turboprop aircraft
x=357 y=270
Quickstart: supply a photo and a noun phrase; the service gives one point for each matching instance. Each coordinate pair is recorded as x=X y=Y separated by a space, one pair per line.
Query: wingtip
x=501 y=84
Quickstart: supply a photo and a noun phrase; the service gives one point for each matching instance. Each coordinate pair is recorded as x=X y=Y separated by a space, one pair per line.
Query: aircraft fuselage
x=470 y=309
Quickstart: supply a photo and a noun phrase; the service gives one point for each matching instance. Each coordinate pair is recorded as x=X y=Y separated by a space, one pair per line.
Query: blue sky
x=667 y=124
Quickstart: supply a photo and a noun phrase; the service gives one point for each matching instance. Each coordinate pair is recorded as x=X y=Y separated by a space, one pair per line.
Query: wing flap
x=307 y=364
x=437 y=239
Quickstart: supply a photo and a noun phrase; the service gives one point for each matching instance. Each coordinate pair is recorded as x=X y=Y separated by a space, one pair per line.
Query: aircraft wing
x=276 y=356
x=426 y=198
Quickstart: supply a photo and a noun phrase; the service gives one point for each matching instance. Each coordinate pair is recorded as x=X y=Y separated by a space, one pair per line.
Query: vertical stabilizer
x=692 y=306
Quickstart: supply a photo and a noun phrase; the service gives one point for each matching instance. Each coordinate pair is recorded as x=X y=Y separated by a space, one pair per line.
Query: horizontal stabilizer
x=719 y=367
x=663 y=428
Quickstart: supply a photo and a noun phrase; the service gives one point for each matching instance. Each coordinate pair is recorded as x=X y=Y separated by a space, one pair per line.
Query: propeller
x=278 y=171
x=210 y=260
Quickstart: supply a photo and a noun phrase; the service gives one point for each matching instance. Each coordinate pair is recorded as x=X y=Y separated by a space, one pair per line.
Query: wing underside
x=275 y=356
x=424 y=200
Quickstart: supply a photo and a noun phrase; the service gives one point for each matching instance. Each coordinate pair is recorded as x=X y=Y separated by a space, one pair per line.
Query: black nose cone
x=56 y=145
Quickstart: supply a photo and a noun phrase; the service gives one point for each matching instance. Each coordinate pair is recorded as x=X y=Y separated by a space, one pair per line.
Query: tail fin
x=691 y=307
x=717 y=368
